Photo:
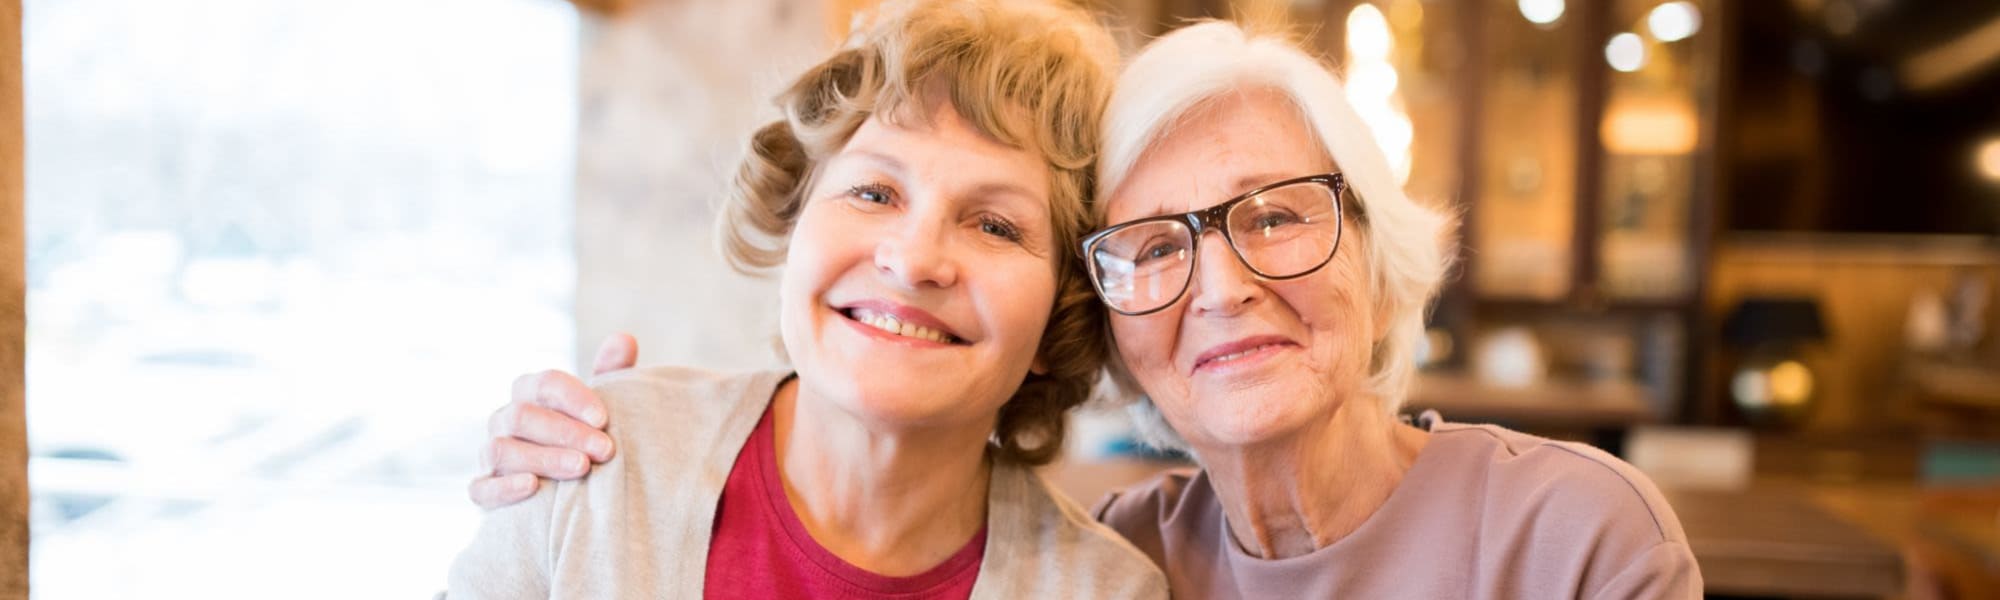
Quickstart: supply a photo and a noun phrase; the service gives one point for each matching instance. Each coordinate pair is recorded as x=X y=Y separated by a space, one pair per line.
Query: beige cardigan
x=639 y=525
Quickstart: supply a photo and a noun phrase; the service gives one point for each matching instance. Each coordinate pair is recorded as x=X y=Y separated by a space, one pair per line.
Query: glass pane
x=283 y=258
x=1144 y=266
x=1661 y=59
x=1527 y=163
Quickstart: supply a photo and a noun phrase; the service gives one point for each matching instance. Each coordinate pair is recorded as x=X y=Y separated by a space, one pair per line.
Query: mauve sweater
x=1484 y=512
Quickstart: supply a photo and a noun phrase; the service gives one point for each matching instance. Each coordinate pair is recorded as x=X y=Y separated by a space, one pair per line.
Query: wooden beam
x=13 y=317
x=605 y=7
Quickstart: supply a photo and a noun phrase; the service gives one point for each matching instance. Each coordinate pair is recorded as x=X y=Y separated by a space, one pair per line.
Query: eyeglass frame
x=1216 y=217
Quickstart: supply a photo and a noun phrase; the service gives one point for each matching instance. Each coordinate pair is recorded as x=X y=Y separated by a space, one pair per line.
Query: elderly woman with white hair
x=1279 y=351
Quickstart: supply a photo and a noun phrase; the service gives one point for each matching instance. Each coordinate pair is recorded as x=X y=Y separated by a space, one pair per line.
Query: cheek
x=1336 y=306
x=801 y=269
x=1017 y=301
x=1146 y=345
x=816 y=254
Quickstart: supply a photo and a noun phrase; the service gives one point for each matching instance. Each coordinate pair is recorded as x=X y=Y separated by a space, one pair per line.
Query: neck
x=1304 y=491
x=894 y=501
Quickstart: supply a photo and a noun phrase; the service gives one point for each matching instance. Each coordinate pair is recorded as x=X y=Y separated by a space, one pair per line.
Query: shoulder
x=1537 y=475
x=685 y=384
x=1063 y=551
x=1551 y=497
x=677 y=431
x=676 y=398
x=1137 y=512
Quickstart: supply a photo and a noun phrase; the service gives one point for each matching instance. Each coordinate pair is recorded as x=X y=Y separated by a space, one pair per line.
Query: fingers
x=562 y=392
x=618 y=352
x=495 y=491
x=509 y=456
x=535 y=425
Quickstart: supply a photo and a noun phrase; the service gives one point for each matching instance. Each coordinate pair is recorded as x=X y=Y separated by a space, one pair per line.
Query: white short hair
x=1407 y=242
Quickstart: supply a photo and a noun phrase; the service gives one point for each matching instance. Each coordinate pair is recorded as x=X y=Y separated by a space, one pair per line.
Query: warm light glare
x=1649 y=127
x=1406 y=15
x=1626 y=52
x=1367 y=34
x=1673 y=21
x=1790 y=384
x=1542 y=12
x=1377 y=77
x=1371 y=86
x=1989 y=159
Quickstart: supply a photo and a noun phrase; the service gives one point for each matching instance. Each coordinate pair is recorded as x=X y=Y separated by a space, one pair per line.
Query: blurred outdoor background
x=284 y=258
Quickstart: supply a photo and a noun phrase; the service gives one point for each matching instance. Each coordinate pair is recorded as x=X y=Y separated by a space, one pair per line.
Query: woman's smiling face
x=1239 y=359
x=921 y=273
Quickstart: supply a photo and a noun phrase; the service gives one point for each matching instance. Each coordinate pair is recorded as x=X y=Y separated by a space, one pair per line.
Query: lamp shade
x=1757 y=321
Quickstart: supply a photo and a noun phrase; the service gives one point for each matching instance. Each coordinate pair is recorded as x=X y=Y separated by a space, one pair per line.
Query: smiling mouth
x=1233 y=354
x=890 y=324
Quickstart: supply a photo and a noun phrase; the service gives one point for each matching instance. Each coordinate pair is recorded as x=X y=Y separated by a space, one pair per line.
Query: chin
x=1267 y=412
x=896 y=402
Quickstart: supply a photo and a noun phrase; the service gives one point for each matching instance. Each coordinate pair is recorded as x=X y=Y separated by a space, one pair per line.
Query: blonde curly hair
x=1030 y=74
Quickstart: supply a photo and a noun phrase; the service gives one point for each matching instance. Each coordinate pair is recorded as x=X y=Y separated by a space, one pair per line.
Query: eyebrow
x=888 y=163
x=1242 y=184
x=1002 y=188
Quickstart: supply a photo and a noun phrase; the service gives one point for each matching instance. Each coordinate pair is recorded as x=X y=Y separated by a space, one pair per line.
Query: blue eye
x=872 y=194
x=1274 y=220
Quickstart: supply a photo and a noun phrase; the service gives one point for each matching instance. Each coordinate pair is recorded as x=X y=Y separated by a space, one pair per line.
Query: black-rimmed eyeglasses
x=1284 y=230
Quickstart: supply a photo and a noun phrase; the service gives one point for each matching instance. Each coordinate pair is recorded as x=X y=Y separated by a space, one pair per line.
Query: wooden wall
x=13 y=317
x=1864 y=287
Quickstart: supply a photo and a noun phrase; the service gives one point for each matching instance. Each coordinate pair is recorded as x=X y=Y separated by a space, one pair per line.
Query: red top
x=761 y=550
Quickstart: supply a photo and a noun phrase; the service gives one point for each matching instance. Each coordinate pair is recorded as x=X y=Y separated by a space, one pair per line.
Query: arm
x=553 y=428
x=510 y=557
x=1667 y=570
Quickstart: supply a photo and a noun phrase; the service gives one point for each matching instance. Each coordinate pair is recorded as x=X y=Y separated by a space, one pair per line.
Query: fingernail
x=599 y=446
x=575 y=463
x=594 y=416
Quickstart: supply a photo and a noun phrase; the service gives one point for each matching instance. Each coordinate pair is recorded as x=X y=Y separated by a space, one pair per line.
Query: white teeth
x=1236 y=355
x=896 y=326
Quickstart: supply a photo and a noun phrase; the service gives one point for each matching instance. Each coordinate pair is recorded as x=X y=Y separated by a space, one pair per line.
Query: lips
x=900 y=320
x=1224 y=353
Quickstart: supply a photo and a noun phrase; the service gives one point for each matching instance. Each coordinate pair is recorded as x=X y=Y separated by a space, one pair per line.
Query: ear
x=1038 y=367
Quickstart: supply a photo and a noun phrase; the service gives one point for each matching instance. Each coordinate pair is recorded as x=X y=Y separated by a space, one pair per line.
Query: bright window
x=283 y=258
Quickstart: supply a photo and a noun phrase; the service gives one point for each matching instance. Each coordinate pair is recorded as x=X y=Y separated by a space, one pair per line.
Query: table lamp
x=1773 y=384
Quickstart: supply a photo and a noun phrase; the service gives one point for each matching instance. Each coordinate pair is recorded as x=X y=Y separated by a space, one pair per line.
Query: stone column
x=669 y=93
x=13 y=317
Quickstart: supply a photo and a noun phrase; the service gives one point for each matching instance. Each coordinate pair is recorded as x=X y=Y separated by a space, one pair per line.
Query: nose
x=917 y=256
x=1221 y=285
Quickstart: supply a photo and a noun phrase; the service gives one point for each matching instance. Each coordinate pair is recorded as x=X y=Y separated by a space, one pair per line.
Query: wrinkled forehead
x=1221 y=147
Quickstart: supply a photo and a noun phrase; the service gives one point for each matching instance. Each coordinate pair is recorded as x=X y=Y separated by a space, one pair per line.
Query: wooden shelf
x=1959 y=385
x=1554 y=402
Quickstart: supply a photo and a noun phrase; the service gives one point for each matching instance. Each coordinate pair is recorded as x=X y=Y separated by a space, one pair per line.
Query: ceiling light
x=1626 y=52
x=1673 y=21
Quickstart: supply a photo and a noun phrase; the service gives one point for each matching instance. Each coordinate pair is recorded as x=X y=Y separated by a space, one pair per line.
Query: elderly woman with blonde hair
x=1278 y=352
